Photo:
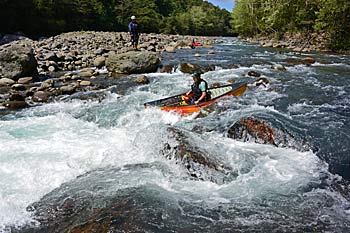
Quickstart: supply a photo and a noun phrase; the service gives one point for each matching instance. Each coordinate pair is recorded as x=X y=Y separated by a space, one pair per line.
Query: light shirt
x=202 y=86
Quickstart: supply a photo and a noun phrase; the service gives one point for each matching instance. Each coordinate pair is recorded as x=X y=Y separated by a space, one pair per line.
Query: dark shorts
x=134 y=38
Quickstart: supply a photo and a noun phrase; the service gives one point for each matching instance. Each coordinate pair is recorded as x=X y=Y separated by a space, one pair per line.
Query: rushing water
x=115 y=144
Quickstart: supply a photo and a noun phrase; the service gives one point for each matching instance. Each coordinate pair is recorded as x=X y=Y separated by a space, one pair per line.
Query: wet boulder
x=258 y=131
x=253 y=73
x=199 y=163
x=15 y=104
x=142 y=79
x=166 y=68
x=17 y=60
x=133 y=62
x=189 y=68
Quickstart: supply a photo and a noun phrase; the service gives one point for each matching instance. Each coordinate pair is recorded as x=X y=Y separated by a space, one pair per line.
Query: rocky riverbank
x=297 y=42
x=38 y=71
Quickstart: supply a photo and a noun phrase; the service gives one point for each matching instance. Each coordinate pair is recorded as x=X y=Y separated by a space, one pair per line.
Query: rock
x=87 y=73
x=262 y=81
x=170 y=49
x=133 y=62
x=99 y=62
x=254 y=73
x=6 y=82
x=50 y=56
x=17 y=60
x=231 y=80
x=46 y=84
x=142 y=79
x=189 y=68
x=309 y=60
x=199 y=163
x=40 y=96
x=51 y=68
x=18 y=87
x=197 y=55
x=25 y=80
x=279 y=67
x=68 y=90
x=15 y=96
x=85 y=83
x=254 y=130
x=15 y=104
x=166 y=69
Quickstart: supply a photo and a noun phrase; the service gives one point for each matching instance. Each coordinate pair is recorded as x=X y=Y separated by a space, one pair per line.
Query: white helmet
x=133 y=17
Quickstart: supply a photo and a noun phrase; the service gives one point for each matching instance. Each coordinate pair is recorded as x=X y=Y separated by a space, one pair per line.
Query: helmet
x=133 y=17
x=196 y=74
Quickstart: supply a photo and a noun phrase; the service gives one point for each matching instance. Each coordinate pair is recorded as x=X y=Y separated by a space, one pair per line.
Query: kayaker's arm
x=204 y=94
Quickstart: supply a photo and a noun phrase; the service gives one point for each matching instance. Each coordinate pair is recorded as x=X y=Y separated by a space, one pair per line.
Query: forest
x=275 y=17
x=50 y=17
x=37 y=18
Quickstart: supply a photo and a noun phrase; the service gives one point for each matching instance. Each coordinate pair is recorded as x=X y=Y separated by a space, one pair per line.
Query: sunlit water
x=44 y=147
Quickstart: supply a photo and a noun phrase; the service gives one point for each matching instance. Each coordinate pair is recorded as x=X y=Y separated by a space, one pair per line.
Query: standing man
x=134 y=32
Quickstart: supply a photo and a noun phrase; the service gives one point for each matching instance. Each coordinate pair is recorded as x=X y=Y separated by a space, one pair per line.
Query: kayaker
x=134 y=32
x=199 y=90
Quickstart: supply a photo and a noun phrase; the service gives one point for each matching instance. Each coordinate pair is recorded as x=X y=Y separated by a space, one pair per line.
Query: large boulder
x=255 y=130
x=17 y=60
x=133 y=62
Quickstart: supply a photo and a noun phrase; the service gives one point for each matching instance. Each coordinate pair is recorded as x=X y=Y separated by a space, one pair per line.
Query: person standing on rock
x=134 y=32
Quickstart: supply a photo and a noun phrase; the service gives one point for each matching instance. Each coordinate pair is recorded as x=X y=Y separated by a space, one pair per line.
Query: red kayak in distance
x=179 y=105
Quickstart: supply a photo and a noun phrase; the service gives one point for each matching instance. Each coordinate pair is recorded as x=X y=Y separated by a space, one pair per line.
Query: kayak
x=197 y=43
x=178 y=104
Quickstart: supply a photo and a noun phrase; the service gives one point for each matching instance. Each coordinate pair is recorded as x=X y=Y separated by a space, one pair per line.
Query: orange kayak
x=177 y=104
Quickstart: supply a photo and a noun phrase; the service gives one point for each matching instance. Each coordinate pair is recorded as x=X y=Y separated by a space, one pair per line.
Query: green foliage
x=49 y=17
x=252 y=17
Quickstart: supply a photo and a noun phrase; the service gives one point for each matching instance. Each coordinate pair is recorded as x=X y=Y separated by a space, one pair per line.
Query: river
x=114 y=144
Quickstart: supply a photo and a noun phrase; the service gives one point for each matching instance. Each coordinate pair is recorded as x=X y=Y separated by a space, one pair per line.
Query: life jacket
x=198 y=92
x=133 y=27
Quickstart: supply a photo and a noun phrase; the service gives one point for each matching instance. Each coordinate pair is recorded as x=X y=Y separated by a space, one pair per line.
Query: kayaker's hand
x=196 y=102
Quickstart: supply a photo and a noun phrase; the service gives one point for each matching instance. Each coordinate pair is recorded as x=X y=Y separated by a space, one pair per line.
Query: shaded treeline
x=50 y=17
x=256 y=17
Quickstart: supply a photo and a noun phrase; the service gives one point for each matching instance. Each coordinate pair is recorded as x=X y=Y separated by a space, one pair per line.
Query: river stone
x=40 y=96
x=166 y=69
x=170 y=49
x=46 y=84
x=25 y=80
x=262 y=81
x=142 y=79
x=189 y=68
x=133 y=62
x=15 y=96
x=85 y=83
x=254 y=73
x=18 y=87
x=17 y=60
x=69 y=89
x=6 y=82
x=309 y=60
x=279 y=67
x=15 y=104
x=99 y=61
